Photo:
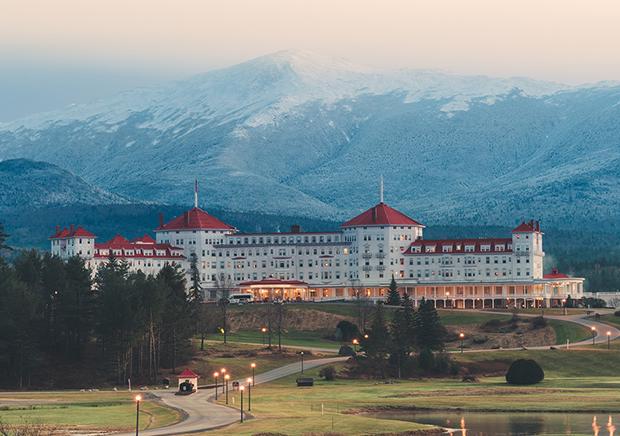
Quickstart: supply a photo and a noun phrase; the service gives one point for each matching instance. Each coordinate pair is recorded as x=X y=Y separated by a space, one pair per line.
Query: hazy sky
x=57 y=52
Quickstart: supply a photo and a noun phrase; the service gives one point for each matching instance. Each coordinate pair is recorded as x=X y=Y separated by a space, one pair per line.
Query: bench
x=305 y=381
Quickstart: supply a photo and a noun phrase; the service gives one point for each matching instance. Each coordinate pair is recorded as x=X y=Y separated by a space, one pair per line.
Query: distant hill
x=29 y=183
x=300 y=134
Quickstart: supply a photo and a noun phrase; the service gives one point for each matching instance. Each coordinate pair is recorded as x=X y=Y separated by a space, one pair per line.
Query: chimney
x=161 y=219
x=374 y=214
x=295 y=228
x=186 y=215
x=57 y=228
x=71 y=229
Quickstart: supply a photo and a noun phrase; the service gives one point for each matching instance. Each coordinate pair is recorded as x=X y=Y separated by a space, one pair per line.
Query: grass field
x=567 y=330
x=611 y=319
x=83 y=410
x=576 y=380
x=290 y=337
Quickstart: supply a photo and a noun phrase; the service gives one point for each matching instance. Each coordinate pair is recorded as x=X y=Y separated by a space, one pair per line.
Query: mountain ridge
x=290 y=131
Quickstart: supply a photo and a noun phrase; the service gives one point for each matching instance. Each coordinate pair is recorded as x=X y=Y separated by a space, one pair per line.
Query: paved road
x=203 y=414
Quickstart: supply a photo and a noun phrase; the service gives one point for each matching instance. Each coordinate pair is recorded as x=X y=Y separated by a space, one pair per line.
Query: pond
x=513 y=424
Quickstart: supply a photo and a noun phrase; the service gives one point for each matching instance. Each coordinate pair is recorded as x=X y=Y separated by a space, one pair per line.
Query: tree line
x=53 y=311
x=412 y=343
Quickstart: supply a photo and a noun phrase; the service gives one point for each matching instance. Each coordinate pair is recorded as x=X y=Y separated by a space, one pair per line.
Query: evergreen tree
x=377 y=345
x=77 y=305
x=403 y=335
x=393 y=298
x=430 y=333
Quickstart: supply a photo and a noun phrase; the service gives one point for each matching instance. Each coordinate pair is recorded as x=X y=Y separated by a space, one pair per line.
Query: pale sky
x=57 y=52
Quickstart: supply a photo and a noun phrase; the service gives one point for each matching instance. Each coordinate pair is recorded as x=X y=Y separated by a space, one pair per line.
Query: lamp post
x=355 y=344
x=250 y=383
x=301 y=353
x=608 y=339
x=366 y=336
x=215 y=376
x=263 y=330
x=241 y=408
x=226 y=378
x=462 y=336
x=253 y=366
x=223 y=372
x=138 y=398
x=593 y=335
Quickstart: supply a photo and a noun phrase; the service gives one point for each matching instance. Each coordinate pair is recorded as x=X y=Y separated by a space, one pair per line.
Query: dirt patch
x=296 y=319
x=514 y=335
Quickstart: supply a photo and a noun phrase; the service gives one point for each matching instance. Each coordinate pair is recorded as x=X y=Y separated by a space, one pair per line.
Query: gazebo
x=189 y=376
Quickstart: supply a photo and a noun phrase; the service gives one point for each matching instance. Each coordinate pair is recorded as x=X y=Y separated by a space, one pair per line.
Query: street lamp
x=241 y=408
x=301 y=353
x=223 y=372
x=226 y=378
x=366 y=336
x=355 y=344
x=462 y=336
x=138 y=398
x=215 y=376
x=593 y=335
x=264 y=330
x=250 y=382
x=608 y=339
x=253 y=366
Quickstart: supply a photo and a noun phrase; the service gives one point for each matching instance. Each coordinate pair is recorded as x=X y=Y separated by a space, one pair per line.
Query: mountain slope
x=310 y=136
x=25 y=182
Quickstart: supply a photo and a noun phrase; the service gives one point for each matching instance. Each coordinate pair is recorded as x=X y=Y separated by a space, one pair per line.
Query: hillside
x=29 y=183
x=293 y=131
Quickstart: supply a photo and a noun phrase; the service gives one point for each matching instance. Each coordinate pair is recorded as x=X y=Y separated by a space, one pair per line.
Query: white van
x=241 y=298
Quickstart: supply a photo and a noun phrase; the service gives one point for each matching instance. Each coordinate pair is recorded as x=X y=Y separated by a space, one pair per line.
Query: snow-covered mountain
x=24 y=182
x=298 y=133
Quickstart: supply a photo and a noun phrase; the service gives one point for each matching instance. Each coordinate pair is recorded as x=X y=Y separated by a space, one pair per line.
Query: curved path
x=204 y=414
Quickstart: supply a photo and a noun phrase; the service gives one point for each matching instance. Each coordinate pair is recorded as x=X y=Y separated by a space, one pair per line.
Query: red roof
x=195 y=218
x=79 y=232
x=555 y=274
x=188 y=373
x=381 y=215
x=273 y=282
x=144 y=247
x=529 y=227
x=458 y=245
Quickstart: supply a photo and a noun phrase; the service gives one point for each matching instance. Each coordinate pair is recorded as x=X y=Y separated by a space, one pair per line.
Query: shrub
x=617 y=313
x=469 y=378
x=480 y=339
x=345 y=350
x=524 y=372
x=539 y=323
x=492 y=325
x=346 y=331
x=328 y=373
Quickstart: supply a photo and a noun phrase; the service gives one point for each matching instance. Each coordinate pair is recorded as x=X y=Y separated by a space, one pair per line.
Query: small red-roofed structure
x=188 y=376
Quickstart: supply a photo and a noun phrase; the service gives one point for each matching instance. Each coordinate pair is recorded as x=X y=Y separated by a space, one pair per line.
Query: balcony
x=366 y=255
x=380 y=255
x=380 y=267
x=367 y=268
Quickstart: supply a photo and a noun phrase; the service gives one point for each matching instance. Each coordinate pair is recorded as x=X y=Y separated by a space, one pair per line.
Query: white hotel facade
x=358 y=260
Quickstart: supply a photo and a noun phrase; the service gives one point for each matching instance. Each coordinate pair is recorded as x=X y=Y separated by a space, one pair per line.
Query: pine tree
x=403 y=334
x=377 y=345
x=430 y=333
x=393 y=298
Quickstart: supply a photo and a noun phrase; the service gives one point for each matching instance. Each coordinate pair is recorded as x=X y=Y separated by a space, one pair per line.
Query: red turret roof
x=529 y=227
x=381 y=215
x=79 y=232
x=193 y=219
x=146 y=239
x=188 y=373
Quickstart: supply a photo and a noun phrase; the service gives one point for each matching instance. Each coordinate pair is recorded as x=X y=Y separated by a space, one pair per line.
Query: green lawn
x=611 y=319
x=576 y=380
x=568 y=330
x=291 y=337
x=84 y=410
